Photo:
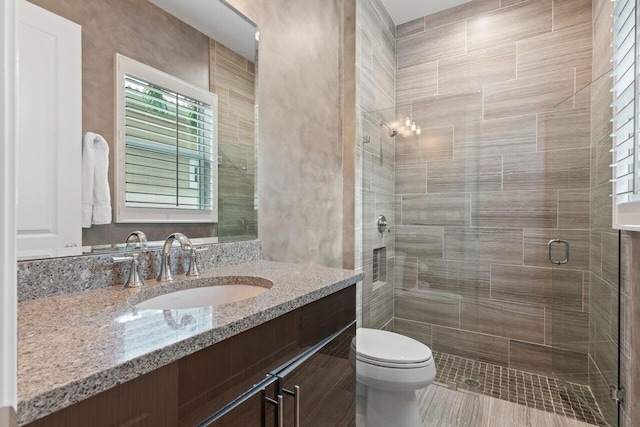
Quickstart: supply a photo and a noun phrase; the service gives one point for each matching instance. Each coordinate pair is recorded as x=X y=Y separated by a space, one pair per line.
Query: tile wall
x=606 y=292
x=375 y=161
x=233 y=78
x=497 y=172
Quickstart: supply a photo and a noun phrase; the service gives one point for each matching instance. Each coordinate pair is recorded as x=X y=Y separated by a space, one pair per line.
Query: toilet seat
x=390 y=350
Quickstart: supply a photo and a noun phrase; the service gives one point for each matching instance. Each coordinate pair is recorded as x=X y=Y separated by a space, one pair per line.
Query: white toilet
x=389 y=369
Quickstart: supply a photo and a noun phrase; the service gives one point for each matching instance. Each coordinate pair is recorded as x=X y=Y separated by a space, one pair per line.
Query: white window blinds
x=626 y=176
x=169 y=148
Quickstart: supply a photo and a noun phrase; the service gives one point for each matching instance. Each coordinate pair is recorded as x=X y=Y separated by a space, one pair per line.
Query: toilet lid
x=389 y=347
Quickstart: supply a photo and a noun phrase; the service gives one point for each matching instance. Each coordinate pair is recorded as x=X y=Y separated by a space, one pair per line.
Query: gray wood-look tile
x=411 y=178
x=432 y=144
x=483 y=245
x=535 y=248
x=465 y=175
x=443 y=407
x=432 y=45
x=567 y=329
x=448 y=110
x=436 y=209
x=409 y=28
x=460 y=12
x=564 y=129
x=417 y=82
x=528 y=95
x=566 y=48
x=523 y=209
x=537 y=358
x=601 y=171
x=601 y=112
x=416 y=330
x=526 y=19
x=610 y=257
x=504 y=319
x=537 y=285
x=381 y=310
x=405 y=271
x=507 y=3
x=470 y=72
x=548 y=170
x=573 y=209
x=384 y=73
x=382 y=174
x=513 y=135
x=602 y=38
x=465 y=278
x=419 y=241
x=428 y=307
x=486 y=348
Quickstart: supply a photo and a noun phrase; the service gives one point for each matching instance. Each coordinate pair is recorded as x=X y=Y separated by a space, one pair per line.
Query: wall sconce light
x=407 y=122
x=418 y=131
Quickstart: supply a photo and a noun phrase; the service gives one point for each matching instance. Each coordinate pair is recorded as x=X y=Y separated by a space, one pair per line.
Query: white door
x=50 y=132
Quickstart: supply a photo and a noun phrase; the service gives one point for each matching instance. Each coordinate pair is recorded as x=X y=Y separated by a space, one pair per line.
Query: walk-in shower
x=499 y=252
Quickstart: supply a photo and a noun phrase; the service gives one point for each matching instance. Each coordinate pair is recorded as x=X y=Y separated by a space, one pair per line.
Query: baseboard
x=8 y=417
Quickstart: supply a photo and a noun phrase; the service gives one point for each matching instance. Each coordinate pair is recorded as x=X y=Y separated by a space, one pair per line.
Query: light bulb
x=408 y=121
x=418 y=131
x=414 y=126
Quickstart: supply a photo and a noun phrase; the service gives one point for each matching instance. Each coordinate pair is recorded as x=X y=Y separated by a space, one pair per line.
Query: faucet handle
x=193 y=262
x=134 y=280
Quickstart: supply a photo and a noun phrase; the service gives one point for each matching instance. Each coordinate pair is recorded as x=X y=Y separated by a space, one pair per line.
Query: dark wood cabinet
x=189 y=390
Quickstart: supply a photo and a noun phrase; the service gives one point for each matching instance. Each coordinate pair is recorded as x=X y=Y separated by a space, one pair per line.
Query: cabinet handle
x=296 y=404
x=279 y=409
x=280 y=419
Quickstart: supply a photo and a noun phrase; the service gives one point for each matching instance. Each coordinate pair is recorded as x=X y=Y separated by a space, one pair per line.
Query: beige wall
x=300 y=165
x=488 y=183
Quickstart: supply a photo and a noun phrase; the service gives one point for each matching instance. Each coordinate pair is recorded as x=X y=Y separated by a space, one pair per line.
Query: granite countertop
x=74 y=346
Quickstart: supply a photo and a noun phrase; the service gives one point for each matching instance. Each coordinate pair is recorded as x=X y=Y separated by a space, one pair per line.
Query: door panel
x=49 y=132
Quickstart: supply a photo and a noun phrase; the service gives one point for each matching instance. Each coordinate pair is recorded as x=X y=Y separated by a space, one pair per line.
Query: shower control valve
x=382 y=224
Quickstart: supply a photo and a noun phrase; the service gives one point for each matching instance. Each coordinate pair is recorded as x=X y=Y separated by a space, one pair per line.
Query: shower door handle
x=566 y=251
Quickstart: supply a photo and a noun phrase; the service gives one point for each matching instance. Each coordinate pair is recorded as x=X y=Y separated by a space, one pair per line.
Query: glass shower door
x=584 y=253
x=427 y=271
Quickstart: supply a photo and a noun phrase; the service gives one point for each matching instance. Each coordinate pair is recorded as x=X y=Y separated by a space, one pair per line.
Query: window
x=166 y=147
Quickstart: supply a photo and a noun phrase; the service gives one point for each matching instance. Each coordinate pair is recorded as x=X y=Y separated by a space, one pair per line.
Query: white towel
x=96 y=200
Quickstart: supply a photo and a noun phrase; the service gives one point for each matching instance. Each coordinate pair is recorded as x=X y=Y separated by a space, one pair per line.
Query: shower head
x=392 y=131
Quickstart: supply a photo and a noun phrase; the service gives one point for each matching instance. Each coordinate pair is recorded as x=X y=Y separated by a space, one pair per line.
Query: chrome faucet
x=136 y=237
x=165 y=270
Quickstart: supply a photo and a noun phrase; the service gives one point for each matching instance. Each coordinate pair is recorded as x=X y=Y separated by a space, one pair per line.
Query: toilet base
x=381 y=408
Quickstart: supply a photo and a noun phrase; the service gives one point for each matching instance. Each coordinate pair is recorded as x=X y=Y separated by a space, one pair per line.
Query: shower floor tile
x=524 y=388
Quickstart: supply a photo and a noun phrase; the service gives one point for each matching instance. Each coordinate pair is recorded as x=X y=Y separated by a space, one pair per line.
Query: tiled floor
x=442 y=407
x=524 y=388
x=504 y=397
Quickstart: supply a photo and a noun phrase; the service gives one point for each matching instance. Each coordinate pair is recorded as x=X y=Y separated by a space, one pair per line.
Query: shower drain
x=472 y=383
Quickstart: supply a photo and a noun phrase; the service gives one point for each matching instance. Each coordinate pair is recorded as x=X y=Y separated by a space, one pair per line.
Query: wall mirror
x=163 y=89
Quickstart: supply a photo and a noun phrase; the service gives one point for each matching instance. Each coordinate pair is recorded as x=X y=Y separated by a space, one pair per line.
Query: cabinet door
x=326 y=387
x=49 y=132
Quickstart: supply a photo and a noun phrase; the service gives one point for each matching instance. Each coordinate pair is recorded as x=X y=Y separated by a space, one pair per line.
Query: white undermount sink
x=206 y=296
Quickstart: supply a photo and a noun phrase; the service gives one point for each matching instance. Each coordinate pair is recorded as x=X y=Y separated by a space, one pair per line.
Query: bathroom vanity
x=95 y=358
